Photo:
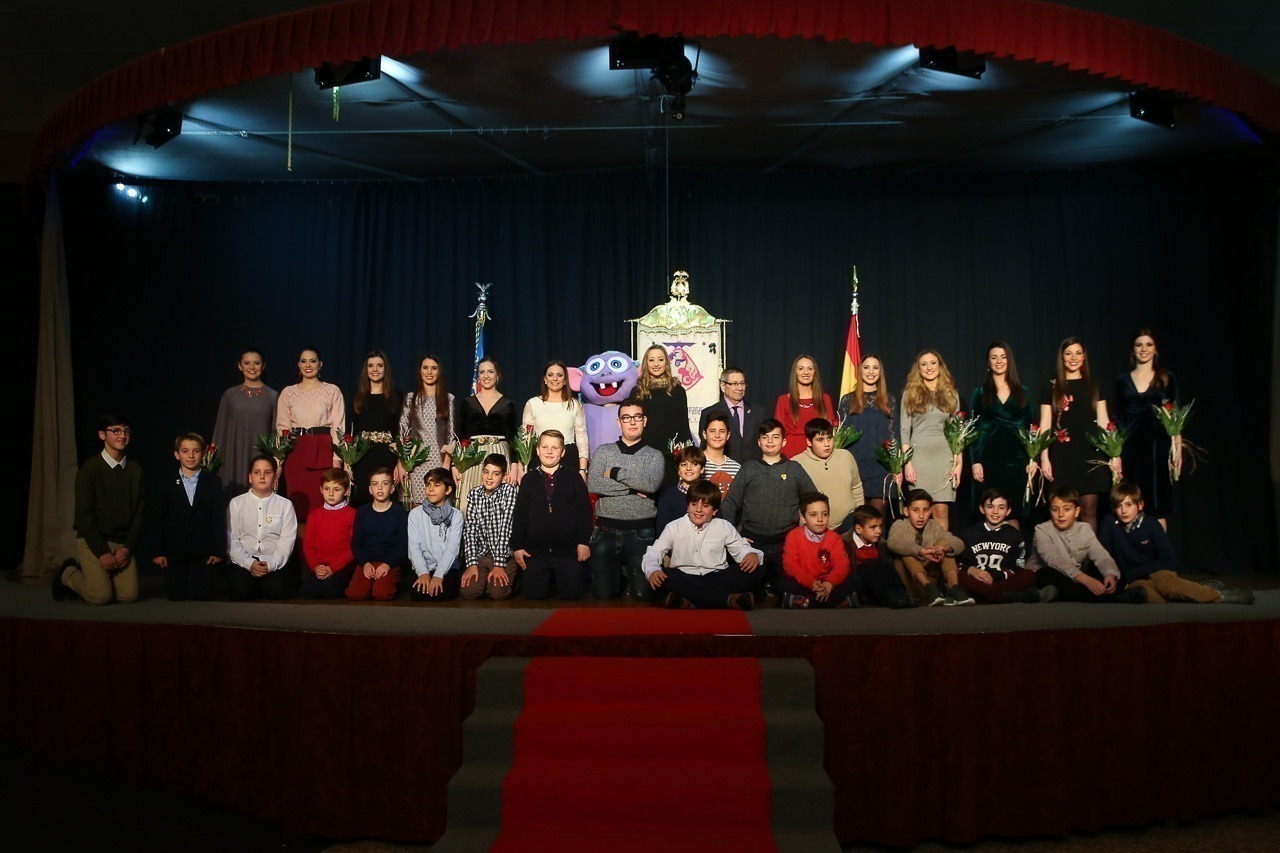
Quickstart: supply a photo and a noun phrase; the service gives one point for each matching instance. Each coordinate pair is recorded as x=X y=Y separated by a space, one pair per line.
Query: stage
x=943 y=723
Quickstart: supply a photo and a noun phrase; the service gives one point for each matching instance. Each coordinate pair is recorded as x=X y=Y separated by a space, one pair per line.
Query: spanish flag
x=852 y=346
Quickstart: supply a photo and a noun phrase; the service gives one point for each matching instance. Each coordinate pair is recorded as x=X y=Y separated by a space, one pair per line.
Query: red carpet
x=596 y=622
x=639 y=754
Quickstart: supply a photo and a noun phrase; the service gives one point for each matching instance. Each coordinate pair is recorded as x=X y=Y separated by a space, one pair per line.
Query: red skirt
x=311 y=456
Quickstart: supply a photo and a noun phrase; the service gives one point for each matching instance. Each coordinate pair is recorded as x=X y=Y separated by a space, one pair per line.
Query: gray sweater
x=639 y=469
x=906 y=541
x=1067 y=550
x=764 y=500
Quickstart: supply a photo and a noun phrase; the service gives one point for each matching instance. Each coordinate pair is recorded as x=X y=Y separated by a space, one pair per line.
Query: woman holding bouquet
x=428 y=415
x=1147 y=455
x=375 y=415
x=1071 y=404
x=246 y=411
x=312 y=412
x=928 y=399
x=1003 y=408
x=666 y=409
x=869 y=409
x=556 y=408
x=488 y=420
x=804 y=401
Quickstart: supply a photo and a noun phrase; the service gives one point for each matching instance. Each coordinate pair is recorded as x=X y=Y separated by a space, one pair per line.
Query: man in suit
x=744 y=419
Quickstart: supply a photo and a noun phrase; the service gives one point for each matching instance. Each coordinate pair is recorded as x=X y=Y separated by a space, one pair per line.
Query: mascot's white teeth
x=607 y=389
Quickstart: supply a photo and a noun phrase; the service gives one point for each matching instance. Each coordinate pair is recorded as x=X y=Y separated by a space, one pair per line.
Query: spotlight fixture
x=947 y=59
x=664 y=57
x=331 y=75
x=159 y=126
x=1158 y=107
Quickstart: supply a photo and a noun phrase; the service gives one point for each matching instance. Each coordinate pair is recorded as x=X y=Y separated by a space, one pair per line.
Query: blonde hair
x=916 y=398
x=647 y=384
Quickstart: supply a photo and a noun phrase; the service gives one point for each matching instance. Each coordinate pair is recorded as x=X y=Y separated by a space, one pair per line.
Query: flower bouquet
x=411 y=452
x=278 y=445
x=1111 y=442
x=960 y=432
x=352 y=449
x=525 y=444
x=846 y=436
x=675 y=446
x=1173 y=418
x=211 y=461
x=1034 y=441
x=469 y=454
x=894 y=459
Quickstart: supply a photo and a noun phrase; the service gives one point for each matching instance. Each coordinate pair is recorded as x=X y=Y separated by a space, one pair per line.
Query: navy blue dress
x=877 y=428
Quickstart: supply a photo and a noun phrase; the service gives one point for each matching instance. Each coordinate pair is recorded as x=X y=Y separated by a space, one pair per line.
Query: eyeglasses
x=630 y=419
x=119 y=431
x=741 y=383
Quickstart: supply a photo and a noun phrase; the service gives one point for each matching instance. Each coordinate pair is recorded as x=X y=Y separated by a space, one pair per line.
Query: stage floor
x=522 y=618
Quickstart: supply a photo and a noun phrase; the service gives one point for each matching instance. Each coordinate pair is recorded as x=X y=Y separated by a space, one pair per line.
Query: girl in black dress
x=1003 y=408
x=486 y=418
x=666 y=406
x=375 y=414
x=1072 y=405
x=1146 y=453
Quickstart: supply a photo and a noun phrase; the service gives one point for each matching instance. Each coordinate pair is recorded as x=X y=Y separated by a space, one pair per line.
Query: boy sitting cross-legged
x=926 y=553
x=815 y=565
x=1146 y=557
x=1069 y=556
x=699 y=573
x=993 y=562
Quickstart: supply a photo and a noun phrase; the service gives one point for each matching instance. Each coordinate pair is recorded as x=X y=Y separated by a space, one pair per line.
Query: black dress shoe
x=59 y=589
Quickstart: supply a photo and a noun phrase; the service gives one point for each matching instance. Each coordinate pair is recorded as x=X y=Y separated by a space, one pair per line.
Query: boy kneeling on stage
x=699 y=574
x=815 y=565
x=1146 y=557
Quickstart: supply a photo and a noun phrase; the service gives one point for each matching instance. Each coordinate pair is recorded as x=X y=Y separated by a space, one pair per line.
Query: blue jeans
x=615 y=553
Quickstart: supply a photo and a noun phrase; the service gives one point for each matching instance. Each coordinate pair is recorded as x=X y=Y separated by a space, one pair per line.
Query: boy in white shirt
x=261 y=530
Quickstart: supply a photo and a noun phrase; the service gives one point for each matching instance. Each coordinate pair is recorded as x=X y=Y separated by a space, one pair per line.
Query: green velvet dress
x=998 y=448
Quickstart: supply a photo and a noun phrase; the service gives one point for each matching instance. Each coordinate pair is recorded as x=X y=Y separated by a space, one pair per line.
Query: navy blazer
x=740 y=448
x=186 y=529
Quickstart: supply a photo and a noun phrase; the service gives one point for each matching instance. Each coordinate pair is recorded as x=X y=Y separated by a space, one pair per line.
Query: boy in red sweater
x=326 y=544
x=815 y=564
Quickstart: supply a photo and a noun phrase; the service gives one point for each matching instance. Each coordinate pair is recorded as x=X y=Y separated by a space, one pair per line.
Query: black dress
x=379 y=424
x=1146 y=452
x=499 y=425
x=667 y=420
x=1075 y=461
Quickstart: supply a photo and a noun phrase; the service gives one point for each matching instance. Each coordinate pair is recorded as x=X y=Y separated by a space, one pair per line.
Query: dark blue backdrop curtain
x=164 y=294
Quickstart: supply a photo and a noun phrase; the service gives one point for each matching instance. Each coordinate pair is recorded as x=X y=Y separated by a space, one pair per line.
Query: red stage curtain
x=953 y=737
x=342 y=736
x=960 y=737
x=1020 y=29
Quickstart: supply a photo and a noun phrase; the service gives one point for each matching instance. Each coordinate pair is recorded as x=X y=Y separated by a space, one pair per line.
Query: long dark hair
x=1060 y=386
x=882 y=400
x=442 y=401
x=390 y=396
x=1016 y=392
x=1161 y=378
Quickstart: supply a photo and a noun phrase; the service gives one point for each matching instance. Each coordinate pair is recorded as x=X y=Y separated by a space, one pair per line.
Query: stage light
x=1158 y=107
x=159 y=126
x=951 y=61
x=131 y=192
x=120 y=187
x=665 y=57
x=331 y=75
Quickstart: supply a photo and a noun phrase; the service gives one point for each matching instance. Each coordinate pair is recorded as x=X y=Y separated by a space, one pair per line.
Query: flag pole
x=481 y=316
